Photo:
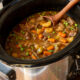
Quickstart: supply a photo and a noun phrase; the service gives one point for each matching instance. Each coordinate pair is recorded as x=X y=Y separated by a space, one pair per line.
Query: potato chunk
x=49 y=30
x=47 y=24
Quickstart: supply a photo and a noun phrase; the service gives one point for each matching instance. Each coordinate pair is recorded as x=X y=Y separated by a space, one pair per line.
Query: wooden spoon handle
x=65 y=9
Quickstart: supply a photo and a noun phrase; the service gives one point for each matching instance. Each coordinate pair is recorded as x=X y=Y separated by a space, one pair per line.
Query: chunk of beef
x=70 y=21
x=40 y=18
x=29 y=26
x=27 y=35
x=72 y=34
x=45 y=38
x=60 y=27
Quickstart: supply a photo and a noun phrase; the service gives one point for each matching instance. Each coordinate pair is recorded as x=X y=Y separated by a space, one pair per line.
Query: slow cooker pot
x=13 y=13
x=17 y=12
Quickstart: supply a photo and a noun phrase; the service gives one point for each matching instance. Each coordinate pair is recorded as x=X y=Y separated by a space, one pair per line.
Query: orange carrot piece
x=62 y=34
x=33 y=31
x=51 y=40
x=63 y=40
x=33 y=57
x=50 y=48
x=46 y=53
x=40 y=36
x=43 y=28
x=30 y=53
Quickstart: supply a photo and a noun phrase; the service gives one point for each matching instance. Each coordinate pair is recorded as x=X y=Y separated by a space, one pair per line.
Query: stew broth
x=36 y=37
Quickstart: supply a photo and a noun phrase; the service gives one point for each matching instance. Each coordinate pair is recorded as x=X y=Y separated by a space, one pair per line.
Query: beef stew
x=35 y=37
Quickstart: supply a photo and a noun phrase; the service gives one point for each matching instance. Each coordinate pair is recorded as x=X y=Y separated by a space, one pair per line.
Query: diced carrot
x=43 y=28
x=50 y=48
x=33 y=57
x=62 y=34
x=30 y=53
x=51 y=40
x=33 y=31
x=40 y=36
x=63 y=40
x=46 y=53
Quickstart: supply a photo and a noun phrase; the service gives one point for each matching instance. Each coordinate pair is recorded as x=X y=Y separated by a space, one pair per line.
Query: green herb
x=66 y=24
x=18 y=37
x=76 y=25
x=22 y=49
x=20 y=46
x=50 y=50
x=27 y=53
x=71 y=28
x=53 y=32
x=22 y=32
x=64 y=32
x=48 y=36
x=32 y=47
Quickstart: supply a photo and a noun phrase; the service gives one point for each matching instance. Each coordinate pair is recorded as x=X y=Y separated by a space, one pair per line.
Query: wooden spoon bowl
x=54 y=19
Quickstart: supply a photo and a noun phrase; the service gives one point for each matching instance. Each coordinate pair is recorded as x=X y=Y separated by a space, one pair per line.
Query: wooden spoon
x=54 y=19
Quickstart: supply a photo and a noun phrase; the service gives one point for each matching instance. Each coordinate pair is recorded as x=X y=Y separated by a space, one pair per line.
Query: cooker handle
x=77 y=62
x=74 y=69
x=8 y=71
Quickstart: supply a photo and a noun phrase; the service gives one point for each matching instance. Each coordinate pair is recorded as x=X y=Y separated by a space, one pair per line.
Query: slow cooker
x=15 y=11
